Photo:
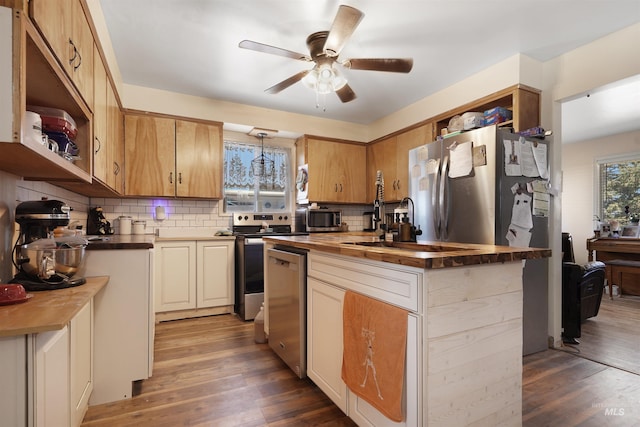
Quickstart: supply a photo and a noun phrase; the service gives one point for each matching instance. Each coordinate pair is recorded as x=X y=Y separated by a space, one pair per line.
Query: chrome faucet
x=379 y=217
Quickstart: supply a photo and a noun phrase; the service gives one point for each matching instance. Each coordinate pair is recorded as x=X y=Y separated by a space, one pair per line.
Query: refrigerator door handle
x=444 y=211
x=434 y=203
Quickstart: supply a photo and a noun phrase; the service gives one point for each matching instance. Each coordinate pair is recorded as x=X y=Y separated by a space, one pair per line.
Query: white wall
x=578 y=198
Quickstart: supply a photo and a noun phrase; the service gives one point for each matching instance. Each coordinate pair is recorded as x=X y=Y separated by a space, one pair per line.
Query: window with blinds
x=244 y=191
x=619 y=190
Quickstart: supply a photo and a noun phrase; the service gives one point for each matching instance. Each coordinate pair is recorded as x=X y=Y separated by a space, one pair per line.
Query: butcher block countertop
x=48 y=310
x=421 y=255
x=120 y=241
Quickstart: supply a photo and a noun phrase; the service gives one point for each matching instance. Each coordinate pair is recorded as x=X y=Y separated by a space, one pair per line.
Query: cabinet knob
x=99 y=145
x=170 y=177
x=180 y=178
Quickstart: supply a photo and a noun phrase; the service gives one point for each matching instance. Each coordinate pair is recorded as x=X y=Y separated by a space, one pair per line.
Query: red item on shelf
x=55 y=120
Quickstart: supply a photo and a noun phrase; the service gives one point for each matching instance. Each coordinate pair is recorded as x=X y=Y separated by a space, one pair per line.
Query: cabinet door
x=405 y=142
x=115 y=158
x=150 y=156
x=324 y=340
x=100 y=141
x=198 y=160
x=337 y=171
x=13 y=393
x=51 y=406
x=81 y=366
x=53 y=19
x=81 y=68
x=175 y=276
x=215 y=274
x=366 y=415
x=381 y=156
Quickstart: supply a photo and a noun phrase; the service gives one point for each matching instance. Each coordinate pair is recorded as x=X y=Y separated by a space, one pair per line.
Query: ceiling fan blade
x=394 y=65
x=346 y=94
x=287 y=82
x=344 y=24
x=265 y=48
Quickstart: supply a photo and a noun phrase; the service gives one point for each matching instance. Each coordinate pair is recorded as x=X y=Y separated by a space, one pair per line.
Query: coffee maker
x=51 y=264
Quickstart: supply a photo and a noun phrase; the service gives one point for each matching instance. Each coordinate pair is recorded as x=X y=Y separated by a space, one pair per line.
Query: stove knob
x=286 y=217
x=280 y=217
x=246 y=217
x=239 y=217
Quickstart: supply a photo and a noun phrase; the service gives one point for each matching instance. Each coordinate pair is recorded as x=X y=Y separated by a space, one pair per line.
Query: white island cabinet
x=464 y=338
x=329 y=277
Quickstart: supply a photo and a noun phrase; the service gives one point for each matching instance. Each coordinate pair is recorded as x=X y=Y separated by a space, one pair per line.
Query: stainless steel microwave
x=318 y=220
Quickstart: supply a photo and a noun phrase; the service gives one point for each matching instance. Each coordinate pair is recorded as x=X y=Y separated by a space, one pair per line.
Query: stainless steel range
x=249 y=228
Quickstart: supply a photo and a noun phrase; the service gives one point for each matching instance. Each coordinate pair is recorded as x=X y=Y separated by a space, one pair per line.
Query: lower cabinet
x=81 y=362
x=51 y=376
x=194 y=275
x=63 y=372
x=325 y=299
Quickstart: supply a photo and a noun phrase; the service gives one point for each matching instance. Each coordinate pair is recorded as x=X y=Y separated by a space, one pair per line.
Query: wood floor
x=613 y=336
x=209 y=372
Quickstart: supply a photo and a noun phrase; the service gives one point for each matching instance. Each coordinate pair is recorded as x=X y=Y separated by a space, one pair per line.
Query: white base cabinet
x=51 y=376
x=62 y=372
x=214 y=279
x=194 y=275
x=13 y=393
x=329 y=277
x=175 y=277
x=81 y=362
x=124 y=321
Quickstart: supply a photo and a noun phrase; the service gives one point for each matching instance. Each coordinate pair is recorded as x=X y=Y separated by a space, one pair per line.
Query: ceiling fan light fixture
x=324 y=78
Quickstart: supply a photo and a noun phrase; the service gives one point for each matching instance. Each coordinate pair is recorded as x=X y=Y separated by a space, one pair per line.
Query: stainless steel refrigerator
x=467 y=197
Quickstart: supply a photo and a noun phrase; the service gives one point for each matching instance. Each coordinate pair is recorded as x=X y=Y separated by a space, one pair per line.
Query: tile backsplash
x=180 y=213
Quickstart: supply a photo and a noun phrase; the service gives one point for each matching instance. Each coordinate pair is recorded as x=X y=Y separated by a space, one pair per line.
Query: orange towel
x=373 y=359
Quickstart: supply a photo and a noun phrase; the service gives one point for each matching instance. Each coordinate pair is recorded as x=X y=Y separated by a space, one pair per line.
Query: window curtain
x=238 y=173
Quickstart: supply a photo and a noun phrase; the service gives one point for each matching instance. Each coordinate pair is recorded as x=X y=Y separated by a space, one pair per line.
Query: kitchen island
x=464 y=327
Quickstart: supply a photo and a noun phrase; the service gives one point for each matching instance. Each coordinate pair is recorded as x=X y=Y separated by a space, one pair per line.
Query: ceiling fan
x=324 y=49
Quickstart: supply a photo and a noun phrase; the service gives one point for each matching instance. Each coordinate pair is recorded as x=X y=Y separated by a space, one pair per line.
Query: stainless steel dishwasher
x=287 y=281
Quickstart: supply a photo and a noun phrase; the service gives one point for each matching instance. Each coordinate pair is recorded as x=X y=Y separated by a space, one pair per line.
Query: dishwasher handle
x=280 y=262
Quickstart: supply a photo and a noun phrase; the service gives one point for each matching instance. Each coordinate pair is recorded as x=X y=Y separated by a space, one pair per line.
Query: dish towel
x=373 y=359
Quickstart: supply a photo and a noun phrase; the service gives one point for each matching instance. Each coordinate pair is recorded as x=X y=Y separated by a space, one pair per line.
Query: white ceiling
x=191 y=46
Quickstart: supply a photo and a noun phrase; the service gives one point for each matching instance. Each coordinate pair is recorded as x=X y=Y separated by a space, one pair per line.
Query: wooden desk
x=627 y=277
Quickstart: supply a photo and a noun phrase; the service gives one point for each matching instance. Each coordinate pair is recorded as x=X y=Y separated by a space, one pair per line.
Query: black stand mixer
x=46 y=264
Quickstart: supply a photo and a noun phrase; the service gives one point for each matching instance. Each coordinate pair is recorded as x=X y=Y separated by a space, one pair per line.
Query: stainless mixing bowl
x=45 y=263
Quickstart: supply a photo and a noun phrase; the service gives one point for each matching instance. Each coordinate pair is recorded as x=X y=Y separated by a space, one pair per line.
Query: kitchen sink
x=409 y=246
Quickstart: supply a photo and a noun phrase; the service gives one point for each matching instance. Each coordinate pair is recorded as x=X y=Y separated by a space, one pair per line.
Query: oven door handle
x=253 y=241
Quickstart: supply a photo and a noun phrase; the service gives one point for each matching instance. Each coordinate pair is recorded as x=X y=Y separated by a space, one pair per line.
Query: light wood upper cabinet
x=115 y=139
x=167 y=157
x=381 y=156
x=100 y=142
x=149 y=156
x=198 y=160
x=391 y=156
x=337 y=170
x=66 y=29
x=108 y=141
x=405 y=142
